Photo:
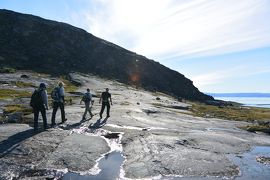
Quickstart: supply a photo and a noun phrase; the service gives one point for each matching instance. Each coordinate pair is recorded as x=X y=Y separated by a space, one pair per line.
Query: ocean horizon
x=263 y=102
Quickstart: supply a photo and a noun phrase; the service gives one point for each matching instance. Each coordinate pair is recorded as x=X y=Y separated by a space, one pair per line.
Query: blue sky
x=221 y=45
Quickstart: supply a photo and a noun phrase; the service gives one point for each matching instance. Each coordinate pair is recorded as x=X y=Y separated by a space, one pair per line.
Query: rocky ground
x=157 y=135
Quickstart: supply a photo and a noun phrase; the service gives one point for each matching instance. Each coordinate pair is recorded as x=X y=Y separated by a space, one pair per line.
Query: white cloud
x=219 y=76
x=163 y=29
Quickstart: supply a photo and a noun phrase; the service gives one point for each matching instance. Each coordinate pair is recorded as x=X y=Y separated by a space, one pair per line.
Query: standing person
x=58 y=96
x=105 y=97
x=87 y=99
x=39 y=103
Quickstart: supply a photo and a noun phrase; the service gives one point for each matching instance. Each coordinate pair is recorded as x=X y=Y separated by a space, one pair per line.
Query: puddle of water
x=110 y=166
x=249 y=167
x=224 y=129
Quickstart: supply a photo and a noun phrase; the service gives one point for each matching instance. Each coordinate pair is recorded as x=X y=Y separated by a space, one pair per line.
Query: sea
x=263 y=102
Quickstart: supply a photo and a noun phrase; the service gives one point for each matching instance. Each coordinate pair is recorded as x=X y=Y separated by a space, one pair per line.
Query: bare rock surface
x=158 y=139
x=77 y=153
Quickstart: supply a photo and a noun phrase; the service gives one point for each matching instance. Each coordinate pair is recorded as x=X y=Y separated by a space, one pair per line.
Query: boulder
x=16 y=117
x=24 y=76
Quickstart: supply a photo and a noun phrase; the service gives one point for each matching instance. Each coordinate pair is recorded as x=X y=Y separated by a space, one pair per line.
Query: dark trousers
x=107 y=104
x=43 y=113
x=56 y=105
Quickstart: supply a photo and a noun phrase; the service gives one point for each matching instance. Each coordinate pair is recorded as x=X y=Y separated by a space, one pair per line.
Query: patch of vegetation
x=2 y=120
x=69 y=87
x=254 y=128
x=7 y=70
x=22 y=84
x=12 y=94
x=17 y=108
x=237 y=113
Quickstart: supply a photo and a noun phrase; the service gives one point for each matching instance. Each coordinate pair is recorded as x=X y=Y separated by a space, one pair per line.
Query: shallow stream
x=250 y=168
x=109 y=165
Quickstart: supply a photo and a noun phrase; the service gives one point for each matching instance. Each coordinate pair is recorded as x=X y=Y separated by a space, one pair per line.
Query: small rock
x=263 y=160
x=158 y=98
x=2 y=112
x=138 y=103
x=149 y=111
x=24 y=76
x=15 y=117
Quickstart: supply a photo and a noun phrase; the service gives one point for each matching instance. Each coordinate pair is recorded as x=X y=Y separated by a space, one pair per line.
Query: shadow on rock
x=72 y=126
x=98 y=124
x=13 y=141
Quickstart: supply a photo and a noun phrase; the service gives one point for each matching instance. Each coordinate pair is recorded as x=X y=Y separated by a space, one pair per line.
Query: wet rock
x=33 y=173
x=158 y=98
x=263 y=160
x=78 y=152
x=264 y=123
x=16 y=117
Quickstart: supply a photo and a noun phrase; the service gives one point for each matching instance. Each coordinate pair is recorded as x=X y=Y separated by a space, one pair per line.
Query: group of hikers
x=39 y=103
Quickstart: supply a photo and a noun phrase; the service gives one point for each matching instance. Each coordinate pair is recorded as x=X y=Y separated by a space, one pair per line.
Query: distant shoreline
x=251 y=101
x=253 y=95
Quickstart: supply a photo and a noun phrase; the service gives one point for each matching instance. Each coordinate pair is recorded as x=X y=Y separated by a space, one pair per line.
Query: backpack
x=55 y=95
x=36 y=99
x=86 y=98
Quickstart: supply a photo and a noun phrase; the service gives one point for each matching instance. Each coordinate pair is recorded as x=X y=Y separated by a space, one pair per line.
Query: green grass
x=7 y=70
x=17 y=108
x=12 y=94
x=260 y=117
x=69 y=87
x=254 y=128
x=21 y=84
x=232 y=113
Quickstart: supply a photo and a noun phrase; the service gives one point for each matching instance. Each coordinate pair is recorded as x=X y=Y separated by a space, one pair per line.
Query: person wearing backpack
x=87 y=99
x=58 y=96
x=105 y=97
x=39 y=103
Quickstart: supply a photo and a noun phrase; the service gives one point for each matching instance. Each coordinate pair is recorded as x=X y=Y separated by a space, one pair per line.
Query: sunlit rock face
x=30 y=42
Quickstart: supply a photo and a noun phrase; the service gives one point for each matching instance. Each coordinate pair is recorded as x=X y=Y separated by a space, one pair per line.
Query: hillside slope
x=30 y=42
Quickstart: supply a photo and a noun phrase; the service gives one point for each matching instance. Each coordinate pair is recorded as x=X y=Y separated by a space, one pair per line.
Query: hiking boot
x=63 y=121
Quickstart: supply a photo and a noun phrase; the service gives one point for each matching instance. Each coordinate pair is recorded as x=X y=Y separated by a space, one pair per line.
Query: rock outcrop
x=30 y=42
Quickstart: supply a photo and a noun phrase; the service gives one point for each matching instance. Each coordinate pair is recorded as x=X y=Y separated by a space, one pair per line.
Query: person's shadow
x=98 y=124
x=8 y=145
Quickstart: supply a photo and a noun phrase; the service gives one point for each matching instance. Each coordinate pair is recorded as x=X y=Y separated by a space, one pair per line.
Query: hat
x=60 y=83
x=42 y=85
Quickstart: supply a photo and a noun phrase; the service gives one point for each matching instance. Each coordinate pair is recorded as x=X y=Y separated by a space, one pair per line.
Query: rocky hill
x=31 y=43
